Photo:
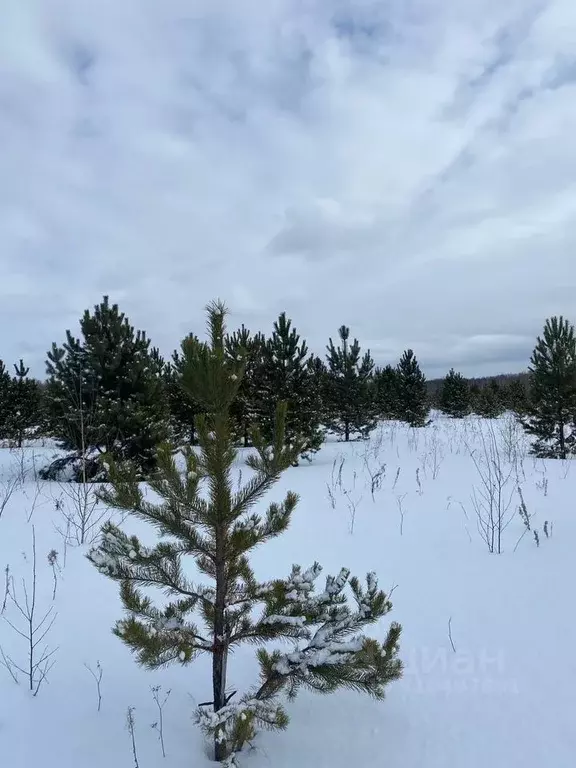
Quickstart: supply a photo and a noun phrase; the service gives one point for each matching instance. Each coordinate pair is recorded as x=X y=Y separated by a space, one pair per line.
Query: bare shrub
x=542 y=484
x=56 y=570
x=373 y=464
x=513 y=440
x=353 y=500
x=83 y=516
x=434 y=454
x=492 y=498
x=160 y=699
x=7 y=489
x=419 y=482
x=97 y=675
x=131 y=728
x=33 y=628
x=7 y=586
x=400 y=502
x=463 y=508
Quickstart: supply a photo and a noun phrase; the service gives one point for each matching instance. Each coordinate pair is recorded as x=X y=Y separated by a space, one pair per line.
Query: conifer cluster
x=109 y=391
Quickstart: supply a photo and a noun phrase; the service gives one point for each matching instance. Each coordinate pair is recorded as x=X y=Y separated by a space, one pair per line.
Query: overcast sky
x=407 y=168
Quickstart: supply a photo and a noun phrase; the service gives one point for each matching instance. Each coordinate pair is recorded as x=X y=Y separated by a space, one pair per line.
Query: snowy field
x=488 y=639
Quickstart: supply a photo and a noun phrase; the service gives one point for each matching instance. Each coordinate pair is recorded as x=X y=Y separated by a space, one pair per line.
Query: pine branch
x=124 y=559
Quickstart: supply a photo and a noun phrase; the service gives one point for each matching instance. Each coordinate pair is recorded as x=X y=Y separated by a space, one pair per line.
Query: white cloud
x=405 y=168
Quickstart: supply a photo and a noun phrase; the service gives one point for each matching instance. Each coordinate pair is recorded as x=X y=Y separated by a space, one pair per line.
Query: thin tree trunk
x=246 y=436
x=562 y=440
x=219 y=657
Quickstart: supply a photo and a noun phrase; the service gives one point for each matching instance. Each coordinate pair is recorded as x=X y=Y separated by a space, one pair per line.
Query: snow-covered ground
x=488 y=639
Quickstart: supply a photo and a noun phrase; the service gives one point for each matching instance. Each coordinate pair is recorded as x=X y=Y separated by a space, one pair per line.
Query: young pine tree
x=5 y=401
x=489 y=402
x=25 y=404
x=319 y=381
x=184 y=410
x=284 y=376
x=243 y=346
x=204 y=516
x=455 y=395
x=349 y=395
x=386 y=381
x=70 y=406
x=413 y=406
x=552 y=407
x=516 y=397
x=105 y=392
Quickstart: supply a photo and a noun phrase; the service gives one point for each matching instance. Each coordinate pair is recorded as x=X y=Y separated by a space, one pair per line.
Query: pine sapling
x=202 y=516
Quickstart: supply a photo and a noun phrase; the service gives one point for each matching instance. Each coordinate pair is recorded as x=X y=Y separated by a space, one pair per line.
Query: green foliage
x=105 y=392
x=25 y=404
x=284 y=376
x=387 y=392
x=552 y=407
x=490 y=400
x=20 y=403
x=242 y=346
x=202 y=514
x=516 y=397
x=319 y=382
x=413 y=406
x=184 y=410
x=349 y=395
x=5 y=400
x=455 y=395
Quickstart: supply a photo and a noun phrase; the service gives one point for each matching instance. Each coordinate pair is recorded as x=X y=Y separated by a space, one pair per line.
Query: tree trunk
x=220 y=653
x=346 y=430
x=562 y=440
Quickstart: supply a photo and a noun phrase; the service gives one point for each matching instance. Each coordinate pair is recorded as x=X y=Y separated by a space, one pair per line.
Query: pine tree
x=489 y=401
x=516 y=397
x=203 y=516
x=5 y=401
x=184 y=410
x=242 y=345
x=70 y=406
x=413 y=406
x=386 y=395
x=455 y=395
x=552 y=407
x=105 y=392
x=349 y=396
x=284 y=376
x=318 y=374
x=24 y=404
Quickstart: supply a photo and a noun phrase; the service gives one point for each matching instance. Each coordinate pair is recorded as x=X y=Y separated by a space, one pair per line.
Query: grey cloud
x=485 y=351
x=291 y=159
